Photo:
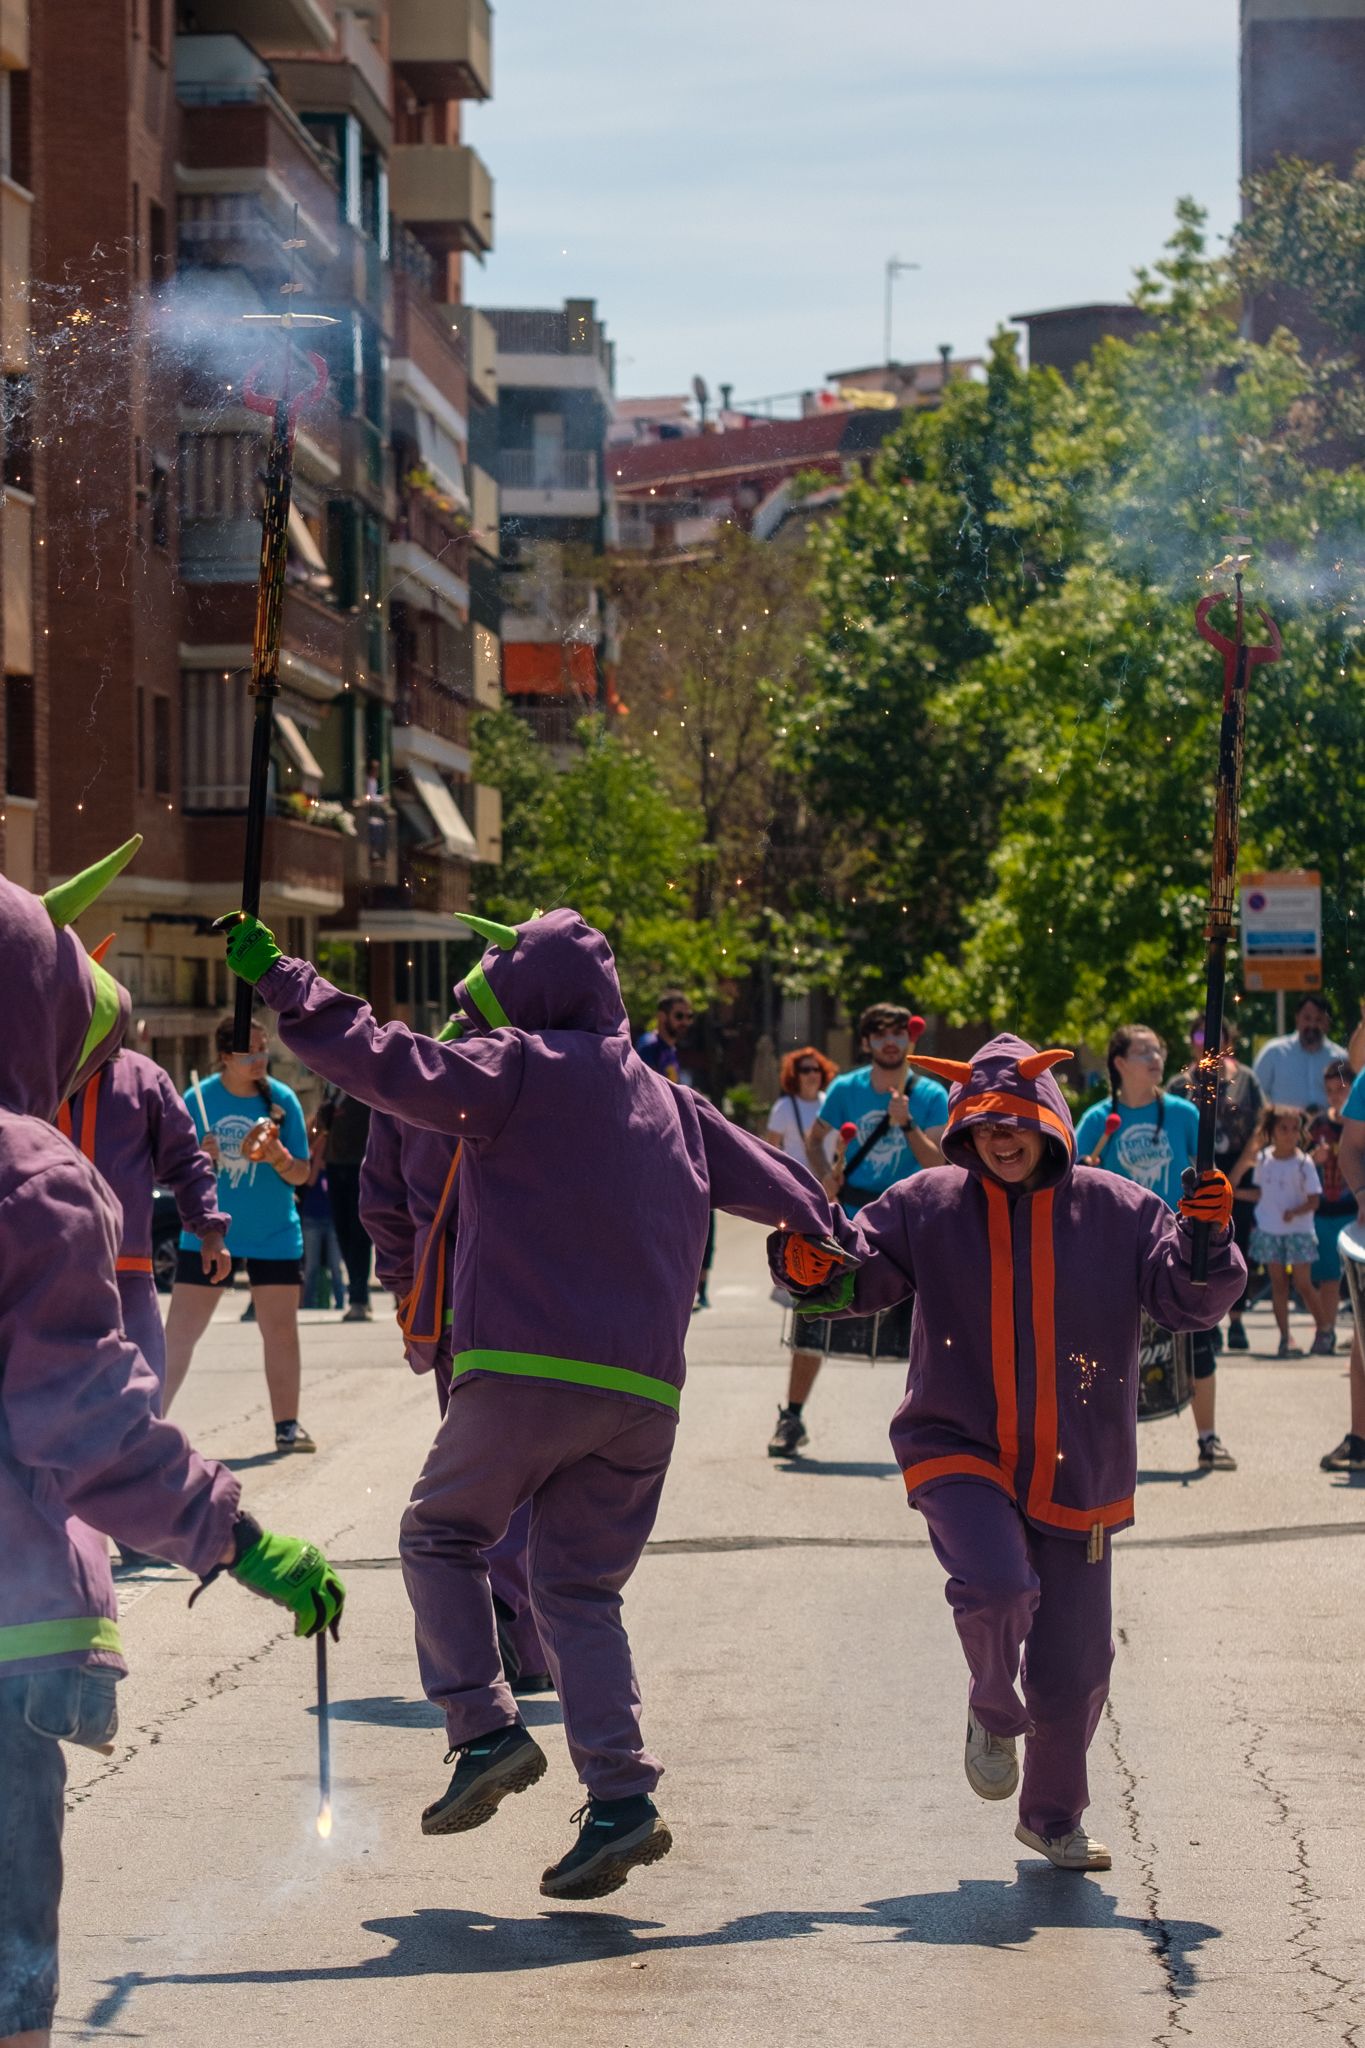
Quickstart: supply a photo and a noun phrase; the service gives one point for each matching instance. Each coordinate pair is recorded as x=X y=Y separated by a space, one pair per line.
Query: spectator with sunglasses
x=899 y=1121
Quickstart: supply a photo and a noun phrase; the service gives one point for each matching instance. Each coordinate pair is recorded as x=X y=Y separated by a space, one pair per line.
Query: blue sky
x=728 y=179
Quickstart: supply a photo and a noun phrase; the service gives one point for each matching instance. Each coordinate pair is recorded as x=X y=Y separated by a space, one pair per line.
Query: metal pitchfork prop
x=1238 y=661
x=265 y=646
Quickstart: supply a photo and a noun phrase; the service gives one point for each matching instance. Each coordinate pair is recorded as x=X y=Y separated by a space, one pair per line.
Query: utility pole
x=894 y=267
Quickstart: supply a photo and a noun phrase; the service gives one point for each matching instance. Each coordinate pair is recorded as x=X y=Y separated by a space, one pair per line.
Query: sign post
x=1282 y=934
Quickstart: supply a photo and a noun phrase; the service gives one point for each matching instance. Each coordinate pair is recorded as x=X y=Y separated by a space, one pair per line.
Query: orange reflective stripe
x=89 y=1107
x=1011 y=1105
x=1044 y=1278
x=435 y=1236
x=132 y=1265
x=1000 y=1238
x=960 y=1467
x=1081 y=1519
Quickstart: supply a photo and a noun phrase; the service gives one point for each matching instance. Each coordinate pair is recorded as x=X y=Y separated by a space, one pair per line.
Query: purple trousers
x=142 y=1320
x=1016 y=1590
x=507 y=1565
x=592 y=1468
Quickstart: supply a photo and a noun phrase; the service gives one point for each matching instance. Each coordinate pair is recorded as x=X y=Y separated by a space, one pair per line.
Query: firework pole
x=284 y=413
x=1238 y=660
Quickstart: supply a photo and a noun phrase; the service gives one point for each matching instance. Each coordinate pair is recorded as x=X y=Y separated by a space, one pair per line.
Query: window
x=141 y=763
x=21 y=738
x=157 y=244
x=15 y=154
x=161 y=746
x=161 y=509
x=135 y=247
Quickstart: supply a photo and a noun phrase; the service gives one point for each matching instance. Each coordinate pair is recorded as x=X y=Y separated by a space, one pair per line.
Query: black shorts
x=189 y=1271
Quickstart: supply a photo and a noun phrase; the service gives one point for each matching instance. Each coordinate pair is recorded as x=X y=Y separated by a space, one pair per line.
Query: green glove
x=295 y=1575
x=251 y=948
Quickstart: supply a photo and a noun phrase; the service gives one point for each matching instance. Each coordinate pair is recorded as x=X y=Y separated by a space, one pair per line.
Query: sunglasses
x=808 y=1070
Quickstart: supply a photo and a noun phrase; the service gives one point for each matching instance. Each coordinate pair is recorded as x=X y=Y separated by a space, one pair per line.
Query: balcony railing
x=553 y=725
x=304 y=863
x=539 y=469
x=441 y=888
x=269 y=24
x=424 y=702
x=445 y=195
x=440 y=533
x=443 y=48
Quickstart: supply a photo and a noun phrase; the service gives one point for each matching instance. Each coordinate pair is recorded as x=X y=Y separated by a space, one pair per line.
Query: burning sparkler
x=324 y=1743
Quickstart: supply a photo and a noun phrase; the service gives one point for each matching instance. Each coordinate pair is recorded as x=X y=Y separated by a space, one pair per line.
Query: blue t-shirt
x=851 y=1099
x=265 y=1217
x=1355 y=1101
x=1154 y=1158
x=656 y=1052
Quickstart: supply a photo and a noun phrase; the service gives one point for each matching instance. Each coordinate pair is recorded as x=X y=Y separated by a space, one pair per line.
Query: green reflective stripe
x=579 y=1372
x=108 y=1005
x=489 y=1008
x=55 y=1638
x=448 y=1318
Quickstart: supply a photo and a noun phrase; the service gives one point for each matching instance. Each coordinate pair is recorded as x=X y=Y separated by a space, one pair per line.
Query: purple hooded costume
x=134 y=1129
x=81 y=1447
x=586 y=1183
x=409 y=1204
x=1017 y=1436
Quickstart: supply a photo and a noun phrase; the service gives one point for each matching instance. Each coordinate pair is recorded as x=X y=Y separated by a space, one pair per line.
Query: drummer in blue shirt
x=1349 y=1455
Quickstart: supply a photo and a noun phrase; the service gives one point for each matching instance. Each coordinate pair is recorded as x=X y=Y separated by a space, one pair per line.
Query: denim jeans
x=319 y=1243
x=38 y=1712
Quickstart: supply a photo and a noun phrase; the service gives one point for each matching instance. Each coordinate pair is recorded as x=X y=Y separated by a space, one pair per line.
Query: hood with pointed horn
x=68 y=1014
x=557 y=974
x=1009 y=1082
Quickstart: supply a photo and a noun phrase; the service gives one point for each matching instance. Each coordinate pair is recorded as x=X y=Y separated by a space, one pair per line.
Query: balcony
x=270 y=24
x=484 y=511
x=304 y=869
x=487 y=666
x=443 y=49
x=482 y=344
x=445 y=196
x=220 y=620
x=427 y=340
x=372 y=856
x=14 y=44
x=238 y=136
x=541 y=483
x=425 y=703
x=237 y=230
x=358 y=84
x=436 y=888
x=16 y=235
x=554 y=349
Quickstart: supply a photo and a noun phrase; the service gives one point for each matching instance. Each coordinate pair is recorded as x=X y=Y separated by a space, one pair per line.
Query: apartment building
x=555 y=378
x=248 y=158
x=23 y=712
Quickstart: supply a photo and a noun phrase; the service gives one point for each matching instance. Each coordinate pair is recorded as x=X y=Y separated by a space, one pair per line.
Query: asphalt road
x=834 y=1879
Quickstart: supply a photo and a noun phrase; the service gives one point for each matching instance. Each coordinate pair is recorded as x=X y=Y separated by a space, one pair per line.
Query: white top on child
x=793 y=1119
x=1284 y=1183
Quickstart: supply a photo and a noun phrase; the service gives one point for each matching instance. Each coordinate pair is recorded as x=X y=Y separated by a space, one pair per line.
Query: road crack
x=1178 y=1978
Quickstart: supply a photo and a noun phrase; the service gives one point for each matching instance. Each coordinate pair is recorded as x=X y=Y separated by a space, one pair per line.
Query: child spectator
x=1338 y=1205
x=1284 y=1240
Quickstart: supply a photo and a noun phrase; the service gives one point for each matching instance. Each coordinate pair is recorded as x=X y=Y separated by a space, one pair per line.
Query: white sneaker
x=990 y=1762
x=1076 y=1851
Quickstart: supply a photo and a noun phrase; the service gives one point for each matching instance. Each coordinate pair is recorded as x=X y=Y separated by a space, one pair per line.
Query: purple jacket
x=81 y=1447
x=409 y=1202
x=586 y=1181
x=1024 y=1350
x=135 y=1130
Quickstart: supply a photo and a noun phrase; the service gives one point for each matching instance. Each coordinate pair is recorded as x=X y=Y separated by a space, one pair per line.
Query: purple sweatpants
x=1013 y=1589
x=142 y=1320
x=507 y=1565
x=592 y=1467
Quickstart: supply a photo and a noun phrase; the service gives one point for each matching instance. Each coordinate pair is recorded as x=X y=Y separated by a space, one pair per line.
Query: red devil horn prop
x=945 y=1070
x=1035 y=1063
x=97 y=953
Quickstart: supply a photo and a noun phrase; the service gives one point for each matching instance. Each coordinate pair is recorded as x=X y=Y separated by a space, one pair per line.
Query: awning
x=441 y=807
x=298 y=749
x=307 y=553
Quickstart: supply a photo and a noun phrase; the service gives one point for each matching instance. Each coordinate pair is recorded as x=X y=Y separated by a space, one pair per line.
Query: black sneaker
x=1214 y=1455
x=1349 y=1456
x=507 y=1760
x=614 y=1835
x=789 y=1436
x=292 y=1436
x=1237 y=1338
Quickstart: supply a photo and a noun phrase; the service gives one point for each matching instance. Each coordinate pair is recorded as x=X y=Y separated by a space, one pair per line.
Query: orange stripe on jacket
x=1044 y=1278
x=1112 y=1512
x=436 y=1235
x=91 y=1093
x=1001 y=1104
x=129 y=1264
x=961 y=1466
x=1001 y=1240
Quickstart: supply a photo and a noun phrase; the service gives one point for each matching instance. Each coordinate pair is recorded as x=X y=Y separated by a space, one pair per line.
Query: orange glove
x=1207 y=1198
x=807 y=1263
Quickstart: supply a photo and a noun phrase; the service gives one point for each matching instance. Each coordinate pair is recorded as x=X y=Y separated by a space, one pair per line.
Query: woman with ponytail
x=254 y=1131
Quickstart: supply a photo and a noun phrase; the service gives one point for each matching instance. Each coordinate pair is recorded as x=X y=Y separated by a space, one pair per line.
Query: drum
x=1351 y=1245
x=884 y=1336
x=1165 y=1374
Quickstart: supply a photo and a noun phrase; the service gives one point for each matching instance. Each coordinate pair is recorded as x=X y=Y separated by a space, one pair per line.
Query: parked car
x=165 y=1239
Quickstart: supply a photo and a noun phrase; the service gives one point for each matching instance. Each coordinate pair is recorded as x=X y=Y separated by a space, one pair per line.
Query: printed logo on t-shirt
x=230 y=1131
x=887 y=1156
x=1145 y=1154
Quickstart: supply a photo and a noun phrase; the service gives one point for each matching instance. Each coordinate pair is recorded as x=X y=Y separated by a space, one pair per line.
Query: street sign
x=1282 y=930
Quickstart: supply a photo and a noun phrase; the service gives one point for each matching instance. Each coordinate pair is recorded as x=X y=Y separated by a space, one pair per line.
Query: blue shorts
x=38 y=1712
x=1327 y=1264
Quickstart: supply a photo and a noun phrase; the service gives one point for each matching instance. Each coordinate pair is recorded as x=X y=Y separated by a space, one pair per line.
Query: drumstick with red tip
x=916 y=1028
x=1111 y=1124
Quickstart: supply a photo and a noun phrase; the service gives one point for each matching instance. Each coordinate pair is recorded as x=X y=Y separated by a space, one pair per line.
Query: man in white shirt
x=1290 y=1070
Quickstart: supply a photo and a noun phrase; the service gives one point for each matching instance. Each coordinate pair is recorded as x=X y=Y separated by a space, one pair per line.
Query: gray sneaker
x=789 y=1437
x=292 y=1436
x=990 y=1761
